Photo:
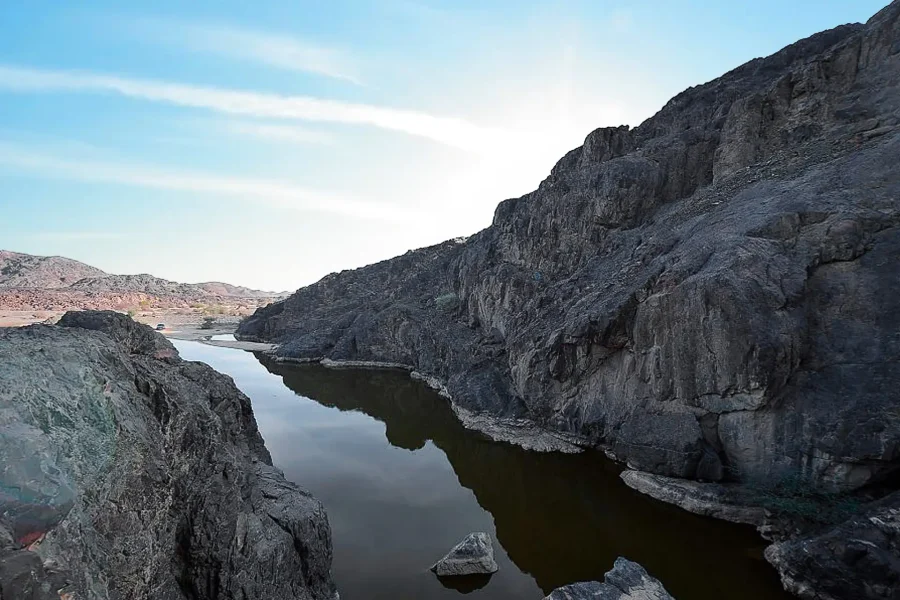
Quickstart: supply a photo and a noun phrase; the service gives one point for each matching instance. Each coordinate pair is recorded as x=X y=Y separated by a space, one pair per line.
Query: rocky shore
x=711 y=297
x=130 y=473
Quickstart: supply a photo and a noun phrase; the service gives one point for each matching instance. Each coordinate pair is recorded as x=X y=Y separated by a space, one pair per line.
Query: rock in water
x=717 y=290
x=472 y=556
x=131 y=473
x=626 y=581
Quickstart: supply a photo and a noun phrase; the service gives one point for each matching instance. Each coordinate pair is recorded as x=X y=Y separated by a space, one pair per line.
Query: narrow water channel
x=403 y=481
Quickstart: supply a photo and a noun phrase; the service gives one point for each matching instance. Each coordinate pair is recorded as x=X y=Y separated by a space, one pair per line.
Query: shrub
x=793 y=495
x=215 y=309
x=446 y=301
x=207 y=323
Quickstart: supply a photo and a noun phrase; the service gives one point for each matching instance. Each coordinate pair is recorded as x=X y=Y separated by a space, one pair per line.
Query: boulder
x=472 y=556
x=131 y=473
x=626 y=581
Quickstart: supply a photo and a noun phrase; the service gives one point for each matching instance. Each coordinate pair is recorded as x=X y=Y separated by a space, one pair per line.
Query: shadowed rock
x=859 y=559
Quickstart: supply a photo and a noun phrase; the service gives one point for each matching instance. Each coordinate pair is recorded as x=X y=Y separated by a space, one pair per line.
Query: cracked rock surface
x=472 y=556
x=626 y=581
x=857 y=559
x=130 y=473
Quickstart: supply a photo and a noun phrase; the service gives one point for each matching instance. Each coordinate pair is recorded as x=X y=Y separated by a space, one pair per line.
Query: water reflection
x=560 y=518
x=403 y=482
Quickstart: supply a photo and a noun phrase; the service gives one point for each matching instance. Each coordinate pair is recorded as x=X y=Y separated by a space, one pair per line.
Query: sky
x=268 y=144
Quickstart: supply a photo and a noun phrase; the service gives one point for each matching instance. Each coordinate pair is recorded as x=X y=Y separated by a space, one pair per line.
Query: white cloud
x=455 y=132
x=278 y=51
x=272 y=193
x=77 y=236
x=279 y=133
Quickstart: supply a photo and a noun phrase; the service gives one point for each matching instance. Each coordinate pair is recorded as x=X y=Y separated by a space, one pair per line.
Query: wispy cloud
x=265 y=48
x=271 y=193
x=455 y=132
x=77 y=236
x=279 y=133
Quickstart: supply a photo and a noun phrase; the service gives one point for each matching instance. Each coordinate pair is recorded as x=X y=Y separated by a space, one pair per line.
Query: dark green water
x=403 y=481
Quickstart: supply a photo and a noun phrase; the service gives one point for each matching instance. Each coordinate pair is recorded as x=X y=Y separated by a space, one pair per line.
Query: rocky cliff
x=130 y=473
x=712 y=294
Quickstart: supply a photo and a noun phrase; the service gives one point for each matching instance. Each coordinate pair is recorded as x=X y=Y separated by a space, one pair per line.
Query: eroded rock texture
x=130 y=473
x=712 y=294
x=626 y=581
x=858 y=559
x=472 y=556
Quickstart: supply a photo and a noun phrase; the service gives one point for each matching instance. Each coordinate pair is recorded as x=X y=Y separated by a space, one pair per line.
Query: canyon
x=709 y=297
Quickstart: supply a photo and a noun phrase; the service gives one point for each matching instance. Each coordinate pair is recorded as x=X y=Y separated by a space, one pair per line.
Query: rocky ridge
x=131 y=473
x=709 y=295
x=56 y=283
x=18 y=270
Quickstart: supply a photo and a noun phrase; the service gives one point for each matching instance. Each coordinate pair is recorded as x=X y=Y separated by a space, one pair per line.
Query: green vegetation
x=208 y=323
x=214 y=309
x=447 y=302
x=131 y=312
x=793 y=495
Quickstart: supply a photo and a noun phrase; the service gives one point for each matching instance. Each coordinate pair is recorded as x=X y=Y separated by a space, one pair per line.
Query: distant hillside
x=148 y=284
x=56 y=283
x=19 y=270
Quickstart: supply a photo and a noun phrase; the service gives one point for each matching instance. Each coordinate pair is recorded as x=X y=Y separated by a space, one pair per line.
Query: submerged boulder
x=472 y=556
x=626 y=581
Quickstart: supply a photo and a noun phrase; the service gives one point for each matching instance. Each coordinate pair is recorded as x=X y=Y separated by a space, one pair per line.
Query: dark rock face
x=130 y=473
x=626 y=581
x=712 y=294
x=859 y=559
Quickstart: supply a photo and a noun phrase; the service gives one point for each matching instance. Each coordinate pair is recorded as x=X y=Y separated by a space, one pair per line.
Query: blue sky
x=270 y=143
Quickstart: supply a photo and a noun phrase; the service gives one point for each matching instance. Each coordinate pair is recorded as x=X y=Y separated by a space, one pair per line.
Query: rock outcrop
x=707 y=499
x=626 y=581
x=130 y=473
x=472 y=556
x=20 y=270
x=859 y=559
x=711 y=295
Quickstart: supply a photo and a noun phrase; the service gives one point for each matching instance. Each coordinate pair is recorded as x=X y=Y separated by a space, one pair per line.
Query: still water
x=403 y=482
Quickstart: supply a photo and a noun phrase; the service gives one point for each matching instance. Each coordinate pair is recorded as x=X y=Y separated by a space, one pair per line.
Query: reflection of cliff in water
x=561 y=518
